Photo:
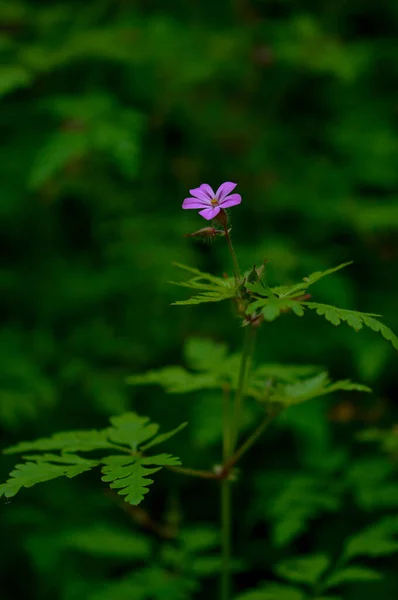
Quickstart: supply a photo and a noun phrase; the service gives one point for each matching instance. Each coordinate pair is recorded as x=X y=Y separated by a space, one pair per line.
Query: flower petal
x=210 y=213
x=203 y=192
x=194 y=203
x=224 y=190
x=231 y=200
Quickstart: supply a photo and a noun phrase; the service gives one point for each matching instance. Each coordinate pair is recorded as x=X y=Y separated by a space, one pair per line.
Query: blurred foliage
x=112 y=110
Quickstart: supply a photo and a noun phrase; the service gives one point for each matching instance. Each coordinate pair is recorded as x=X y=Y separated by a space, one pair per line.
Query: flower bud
x=206 y=232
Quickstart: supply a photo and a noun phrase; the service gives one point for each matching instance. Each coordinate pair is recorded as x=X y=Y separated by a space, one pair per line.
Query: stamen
x=214 y=202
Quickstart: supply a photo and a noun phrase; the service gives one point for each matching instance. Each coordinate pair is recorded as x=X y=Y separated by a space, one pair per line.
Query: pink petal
x=204 y=192
x=231 y=200
x=194 y=203
x=210 y=213
x=224 y=190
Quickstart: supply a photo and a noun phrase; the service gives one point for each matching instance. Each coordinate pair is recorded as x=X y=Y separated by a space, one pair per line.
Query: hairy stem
x=252 y=439
x=226 y=521
x=233 y=255
x=195 y=472
x=226 y=504
x=223 y=219
x=247 y=352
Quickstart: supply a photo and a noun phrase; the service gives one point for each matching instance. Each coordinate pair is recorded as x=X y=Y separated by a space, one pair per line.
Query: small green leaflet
x=283 y=297
x=294 y=290
x=352 y=574
x=380 y=539
x=129 y=475
x=272 y=302
x=126 y=471
x=273 y=591
x=212 y=289
x=215 y=369
x=306 y=569
x=38 y=469
x=313 y=387
x=354 y=319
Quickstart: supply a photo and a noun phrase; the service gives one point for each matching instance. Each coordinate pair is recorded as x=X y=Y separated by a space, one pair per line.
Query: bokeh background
x=110 y=111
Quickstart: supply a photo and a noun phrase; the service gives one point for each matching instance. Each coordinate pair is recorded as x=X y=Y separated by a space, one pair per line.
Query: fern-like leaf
x=212 y=289
x=67 y=441
x=313 y=387
x=128 y=474
x=38 y=469
x=353 y=318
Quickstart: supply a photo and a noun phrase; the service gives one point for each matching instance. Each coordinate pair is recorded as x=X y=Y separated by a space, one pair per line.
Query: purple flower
x=211 y=203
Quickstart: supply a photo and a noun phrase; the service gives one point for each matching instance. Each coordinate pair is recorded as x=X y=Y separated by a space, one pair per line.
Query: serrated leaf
x=273 y=591
x=313 y=387
x=31 y=473
x=296 y=289
x=306 y=569
x=175 y=380
x=107 y=541
x=68 y=441
x=292 y=501
x=354 y=319
x=132 y=430
x=203 y=354
x=378 y=540
x=129 y=474
x=159 y=439
x=212 y=289
x=352 y=574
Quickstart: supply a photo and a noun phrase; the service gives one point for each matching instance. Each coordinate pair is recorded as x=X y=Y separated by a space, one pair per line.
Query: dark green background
x=110 y=112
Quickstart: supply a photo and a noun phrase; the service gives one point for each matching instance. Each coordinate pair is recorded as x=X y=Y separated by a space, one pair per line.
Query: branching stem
x=247 y=353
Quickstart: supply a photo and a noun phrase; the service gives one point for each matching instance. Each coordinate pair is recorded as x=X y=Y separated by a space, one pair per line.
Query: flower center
x=214 y=202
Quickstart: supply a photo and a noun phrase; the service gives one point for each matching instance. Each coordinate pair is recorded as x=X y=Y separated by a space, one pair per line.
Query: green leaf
x=175 y=380
x=107 y=541
x=307 y=569
x=352 y=575
x=212 y=289
x=60 y=150
x=377 y=540
x=290 y=500
x=354 y=319
x=129 y=474
x=132 y=430
x=159 y=439
x=313 y=387
x=204 y=355
x=13 y=77
x=67 y=441
x=31 y=473
x=288 y=373
x=273 y=591
x=154 y=583
x=292 y=291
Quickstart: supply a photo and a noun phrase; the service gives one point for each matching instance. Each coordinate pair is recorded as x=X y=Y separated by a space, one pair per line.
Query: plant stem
x=226 y=504
x=250 y=441
x=226 y=520
x=233 y=254
x=195 y=472
x=248 y=347
x=223 y=219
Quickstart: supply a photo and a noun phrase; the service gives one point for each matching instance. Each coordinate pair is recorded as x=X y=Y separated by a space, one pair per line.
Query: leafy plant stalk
x=247 y=352
x=222 y=218
x=251 y=440
x=226 y=504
